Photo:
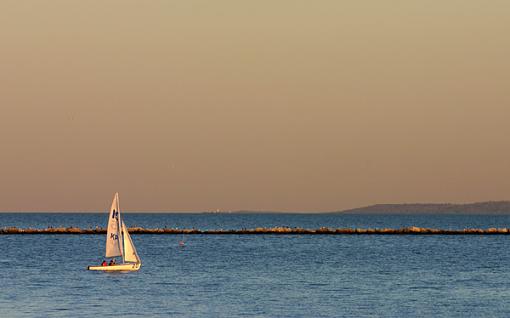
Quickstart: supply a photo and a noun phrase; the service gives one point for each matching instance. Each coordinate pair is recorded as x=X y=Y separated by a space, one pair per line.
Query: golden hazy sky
x=266 y=105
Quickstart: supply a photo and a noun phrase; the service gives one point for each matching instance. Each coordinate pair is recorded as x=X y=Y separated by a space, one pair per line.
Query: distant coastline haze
x=265 y=106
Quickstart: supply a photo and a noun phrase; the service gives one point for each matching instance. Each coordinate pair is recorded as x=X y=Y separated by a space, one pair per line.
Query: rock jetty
x=412 y=230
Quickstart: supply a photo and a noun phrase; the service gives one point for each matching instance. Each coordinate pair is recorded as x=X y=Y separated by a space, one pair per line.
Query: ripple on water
x=262 y=276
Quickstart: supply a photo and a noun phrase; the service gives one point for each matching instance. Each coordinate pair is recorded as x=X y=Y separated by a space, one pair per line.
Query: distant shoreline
x=477 y=208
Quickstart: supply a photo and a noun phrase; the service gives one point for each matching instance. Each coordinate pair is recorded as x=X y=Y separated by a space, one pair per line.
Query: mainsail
x=130 y=254
x=113 y=237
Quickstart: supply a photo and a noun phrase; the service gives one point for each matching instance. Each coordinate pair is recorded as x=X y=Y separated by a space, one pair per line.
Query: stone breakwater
x=412 y=230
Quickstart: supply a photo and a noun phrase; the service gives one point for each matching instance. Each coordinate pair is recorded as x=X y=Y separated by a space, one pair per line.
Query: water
x=207 y=221
x=259 y=275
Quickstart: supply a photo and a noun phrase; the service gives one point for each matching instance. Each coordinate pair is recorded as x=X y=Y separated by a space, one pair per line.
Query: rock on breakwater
x=412 y=230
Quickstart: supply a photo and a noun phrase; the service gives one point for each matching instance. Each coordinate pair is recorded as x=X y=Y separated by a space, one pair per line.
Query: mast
x=121 y=235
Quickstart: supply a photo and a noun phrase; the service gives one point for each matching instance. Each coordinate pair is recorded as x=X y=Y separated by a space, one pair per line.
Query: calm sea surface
x=259 y=275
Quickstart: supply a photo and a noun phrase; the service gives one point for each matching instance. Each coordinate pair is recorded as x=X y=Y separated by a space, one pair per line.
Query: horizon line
x=270 y=211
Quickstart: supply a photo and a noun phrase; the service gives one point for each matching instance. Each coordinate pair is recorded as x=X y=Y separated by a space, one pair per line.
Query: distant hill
x=491 y=207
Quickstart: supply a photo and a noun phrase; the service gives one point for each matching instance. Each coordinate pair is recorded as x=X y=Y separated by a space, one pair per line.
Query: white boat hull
x=116 y=268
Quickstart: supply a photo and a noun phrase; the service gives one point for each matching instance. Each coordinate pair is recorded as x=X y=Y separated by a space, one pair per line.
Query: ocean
x=259 y=275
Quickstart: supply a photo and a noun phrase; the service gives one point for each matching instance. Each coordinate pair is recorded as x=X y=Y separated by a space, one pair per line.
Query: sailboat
x=118 y=243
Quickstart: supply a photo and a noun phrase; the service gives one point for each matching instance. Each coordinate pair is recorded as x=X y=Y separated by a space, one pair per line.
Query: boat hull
x=116 y=268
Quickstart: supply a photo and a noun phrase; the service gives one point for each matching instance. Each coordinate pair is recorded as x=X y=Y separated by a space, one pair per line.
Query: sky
x=281 y=105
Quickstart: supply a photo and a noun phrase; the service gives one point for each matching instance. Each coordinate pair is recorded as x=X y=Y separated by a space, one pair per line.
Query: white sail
x=130 y=254
x=113 y=237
